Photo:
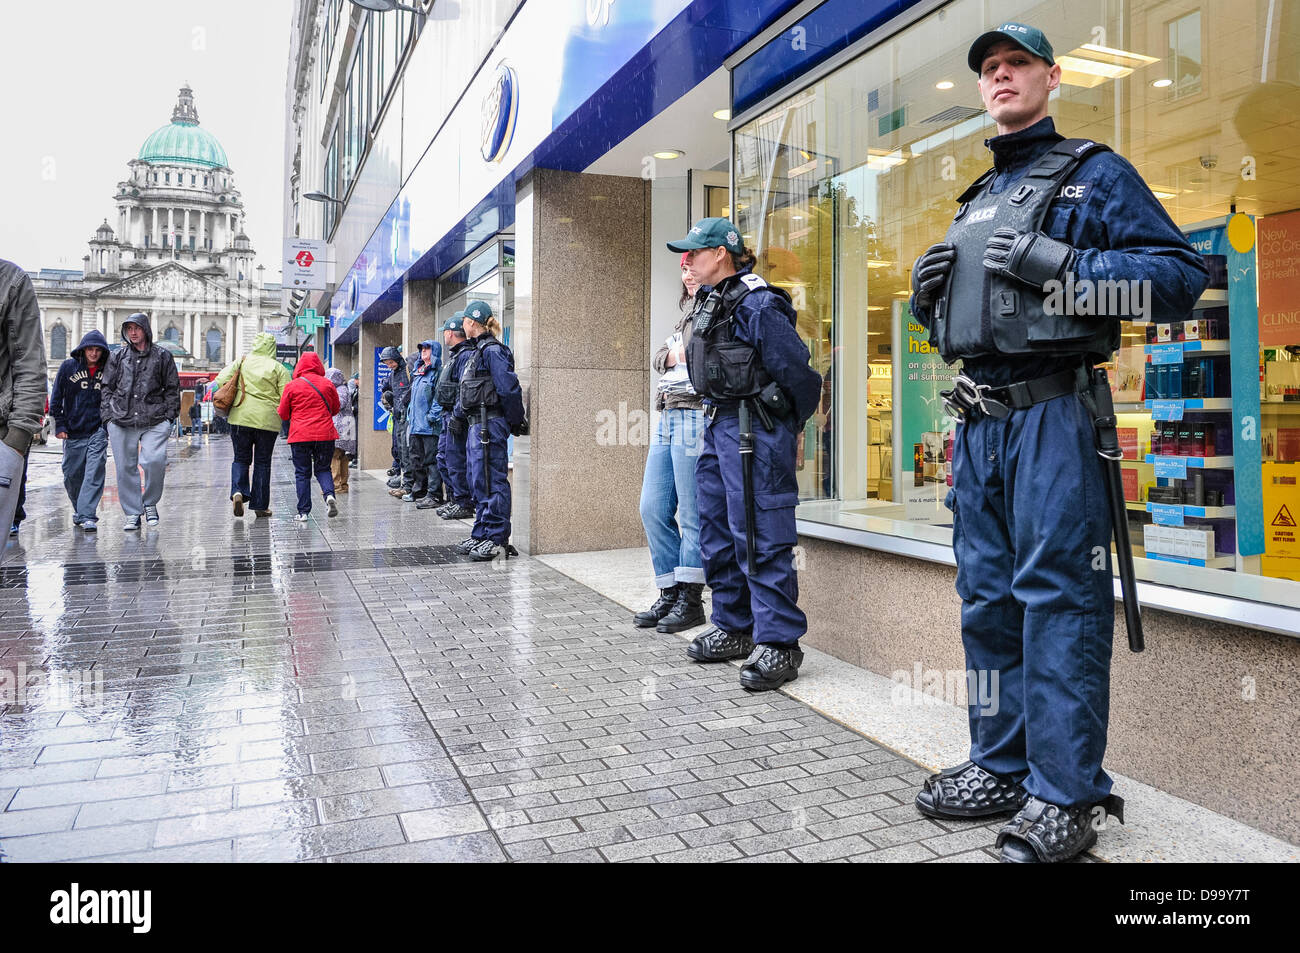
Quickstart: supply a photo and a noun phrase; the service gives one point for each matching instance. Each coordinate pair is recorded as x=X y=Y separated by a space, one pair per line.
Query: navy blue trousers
x=1031 y=531
x=492 y=516
x=453 y=465
x=253 y=448
x=766 y=603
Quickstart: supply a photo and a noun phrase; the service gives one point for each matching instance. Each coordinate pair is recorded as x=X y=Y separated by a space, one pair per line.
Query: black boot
x=689 y=610
x=663 y=605
x=770 y=666
x=969 y=791
x=1043 y=833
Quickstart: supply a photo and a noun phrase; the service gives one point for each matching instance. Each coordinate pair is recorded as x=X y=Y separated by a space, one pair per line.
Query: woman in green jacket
x=255 y=423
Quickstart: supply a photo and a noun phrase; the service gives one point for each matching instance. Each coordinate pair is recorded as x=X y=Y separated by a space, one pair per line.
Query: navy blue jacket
x=766 y=321
x=500 y=363
x=425 y=412
x=1121 y=232
x=74 y=404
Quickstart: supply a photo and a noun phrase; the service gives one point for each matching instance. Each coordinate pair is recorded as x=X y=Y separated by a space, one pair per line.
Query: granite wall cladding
x=590 y=348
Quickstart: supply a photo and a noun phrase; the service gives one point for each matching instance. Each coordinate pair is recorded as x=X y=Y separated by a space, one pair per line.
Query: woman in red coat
x=309 y=403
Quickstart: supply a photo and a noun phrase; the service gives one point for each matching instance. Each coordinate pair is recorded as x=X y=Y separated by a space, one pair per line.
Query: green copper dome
x=183 y=140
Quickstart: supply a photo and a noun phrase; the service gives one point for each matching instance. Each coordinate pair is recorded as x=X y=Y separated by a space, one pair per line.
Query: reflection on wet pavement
x=221 y=689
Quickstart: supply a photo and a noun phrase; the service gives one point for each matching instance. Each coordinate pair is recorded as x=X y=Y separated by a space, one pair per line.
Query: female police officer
x=1030 y=523
x=746 y=360
x=492 y=404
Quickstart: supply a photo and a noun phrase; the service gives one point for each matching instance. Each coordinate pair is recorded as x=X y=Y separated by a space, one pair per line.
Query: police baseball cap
x=454 y=323
x=710 y=233
x=477 y=311
x=1028 y=38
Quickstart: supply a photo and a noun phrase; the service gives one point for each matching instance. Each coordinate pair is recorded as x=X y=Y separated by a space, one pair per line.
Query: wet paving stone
x=353 y=690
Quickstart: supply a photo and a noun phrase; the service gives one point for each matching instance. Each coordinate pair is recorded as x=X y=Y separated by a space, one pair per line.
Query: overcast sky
x=86 y=81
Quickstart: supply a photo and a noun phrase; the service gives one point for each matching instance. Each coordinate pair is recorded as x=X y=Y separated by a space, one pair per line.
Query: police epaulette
x=976 y=187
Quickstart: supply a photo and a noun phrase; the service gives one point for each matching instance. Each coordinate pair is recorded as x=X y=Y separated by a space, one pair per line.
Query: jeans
x=135 y=449
x=84 y=462
x=253 y=447
x=312 y=456
x=668 y=504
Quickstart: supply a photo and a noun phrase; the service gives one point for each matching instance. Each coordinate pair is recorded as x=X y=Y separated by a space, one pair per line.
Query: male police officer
x=1031 y=529
x=746 y=360
x=451 y=444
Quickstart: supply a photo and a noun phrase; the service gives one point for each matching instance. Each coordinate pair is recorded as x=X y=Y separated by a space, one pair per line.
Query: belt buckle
x=711 y=412
x=967 y=397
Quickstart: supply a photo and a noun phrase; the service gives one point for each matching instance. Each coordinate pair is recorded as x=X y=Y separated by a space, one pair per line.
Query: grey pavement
x=351 y=689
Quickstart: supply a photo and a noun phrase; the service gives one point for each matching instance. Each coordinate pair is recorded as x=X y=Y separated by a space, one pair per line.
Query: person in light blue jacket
x=425 y=414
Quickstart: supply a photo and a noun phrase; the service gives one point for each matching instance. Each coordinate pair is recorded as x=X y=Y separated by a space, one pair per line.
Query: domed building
x=176 y=250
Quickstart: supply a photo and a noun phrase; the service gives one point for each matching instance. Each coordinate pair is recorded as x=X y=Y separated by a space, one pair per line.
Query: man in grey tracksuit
x=140 y=400
x=22 y=385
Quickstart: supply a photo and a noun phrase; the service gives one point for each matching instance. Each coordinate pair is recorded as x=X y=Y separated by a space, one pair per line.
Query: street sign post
x=305 y=264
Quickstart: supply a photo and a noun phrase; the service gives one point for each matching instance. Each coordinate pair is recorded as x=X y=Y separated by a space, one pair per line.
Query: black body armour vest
x=983 y=314
x=476 y=387
x=446 y=390
x=721 y=367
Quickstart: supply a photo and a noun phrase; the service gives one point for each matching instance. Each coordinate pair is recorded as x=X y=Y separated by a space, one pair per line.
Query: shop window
x=839 y=187
x=58 y=342
x=1185 y=55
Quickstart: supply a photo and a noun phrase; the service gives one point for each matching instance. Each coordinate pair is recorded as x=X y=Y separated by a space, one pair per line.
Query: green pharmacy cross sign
x=310 y=321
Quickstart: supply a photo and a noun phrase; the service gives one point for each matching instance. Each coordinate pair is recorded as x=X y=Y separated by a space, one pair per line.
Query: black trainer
x=393 y=471
x=663 y=605
x=770 y=666
x=969 y=791
x=488 y=550
x=457 y=512
x=687 y=612
x=395 y=481
x=716 y=645
x=466 y=544
x=427 y=503
x=1043 y=833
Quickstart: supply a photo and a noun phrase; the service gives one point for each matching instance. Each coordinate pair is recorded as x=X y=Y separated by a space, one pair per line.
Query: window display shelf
x=1196 y=403
x=1218 y=562
x=1197 y=512
x=1202 y=347
x=1213 y=297
x=1206 y=463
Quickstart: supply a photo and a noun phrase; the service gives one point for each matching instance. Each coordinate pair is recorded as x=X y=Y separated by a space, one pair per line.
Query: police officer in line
x=451 y=443
x=1029 y=500
x=491 y=402
x=394 y=396
x=745 y=358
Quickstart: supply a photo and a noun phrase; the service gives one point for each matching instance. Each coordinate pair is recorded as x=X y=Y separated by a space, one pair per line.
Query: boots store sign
x=500 y=106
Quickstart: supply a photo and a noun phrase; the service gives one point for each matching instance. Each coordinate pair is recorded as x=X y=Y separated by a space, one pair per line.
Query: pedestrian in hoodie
x=255 y=423
x=395 y=397
x=426 y=427
x=346 y=424
x=75 y=407
x=140 y=402
x=309 y=404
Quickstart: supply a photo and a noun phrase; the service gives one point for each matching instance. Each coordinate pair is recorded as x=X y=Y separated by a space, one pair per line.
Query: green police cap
x=1028 y=38
x=477 y=311
x=454 y=323
x=710 y=233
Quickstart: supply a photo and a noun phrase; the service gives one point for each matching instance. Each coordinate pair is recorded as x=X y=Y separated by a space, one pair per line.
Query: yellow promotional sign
x=1281 y=520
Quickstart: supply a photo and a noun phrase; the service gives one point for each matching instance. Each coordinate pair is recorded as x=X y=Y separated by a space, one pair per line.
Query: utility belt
x=768 y=405
x=969 y=400
x=476 y=415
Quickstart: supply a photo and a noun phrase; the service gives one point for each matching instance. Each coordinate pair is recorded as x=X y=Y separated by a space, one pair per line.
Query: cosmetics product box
x=1218 y=267
x=1128 y=442
x=1164 y=333
x=1175 y=386
x=1132 y=492
x=1195 y=379
x=1151 y=333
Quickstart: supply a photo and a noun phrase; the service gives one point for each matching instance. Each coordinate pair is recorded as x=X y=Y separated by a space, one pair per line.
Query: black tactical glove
x=929 y=274
x=1030 y=257
x=19 y=439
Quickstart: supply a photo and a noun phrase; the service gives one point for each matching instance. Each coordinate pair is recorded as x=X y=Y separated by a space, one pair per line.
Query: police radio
x=708 y=311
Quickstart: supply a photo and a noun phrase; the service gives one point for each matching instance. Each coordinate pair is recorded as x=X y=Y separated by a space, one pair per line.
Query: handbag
x=230 y=394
